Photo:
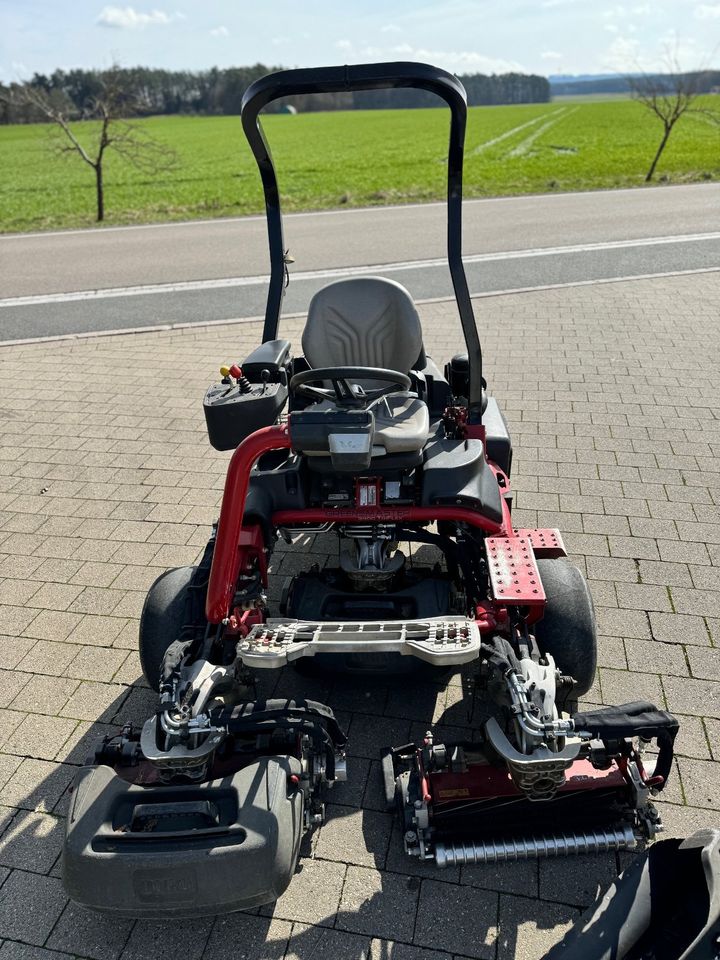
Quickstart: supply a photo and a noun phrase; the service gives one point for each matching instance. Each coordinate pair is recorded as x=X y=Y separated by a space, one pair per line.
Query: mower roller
x=362 y=435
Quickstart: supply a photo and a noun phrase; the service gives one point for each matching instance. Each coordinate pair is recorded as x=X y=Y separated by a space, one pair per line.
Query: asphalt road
x=79 y=281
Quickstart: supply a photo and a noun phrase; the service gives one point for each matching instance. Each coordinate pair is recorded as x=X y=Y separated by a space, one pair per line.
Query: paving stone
x=168 y=939
x=8 y=766
x=82 y=742
x=240 y=936
x=12 y=950
x=90 y=934
x=623 y=687
x=576 y=881
x=379 y=904
x=643 y=596
x=519 y=877
x=387 y=950
x=692 y=739
x=712 y=728
x=681 y=820
x=52 y=625
x=11 y=685
x=55 y=596
x=313 y=895
x=665 y=658
x=44 y=656
x=96 y=630
x=18 y=592
x=35 y=784
x=701 y=783
x=13 y=650
x=14 y=619
x=39 y=736
x=675 y=628
x=633 y=471
x=529 y=928
x=32 y=841
x=704 y=662
x=96 y=663
x=319 y=943
x=467 y=923
x=698 y=698
x=355 y=836
x=44 y=694
x=30 y=905
x=94 y=701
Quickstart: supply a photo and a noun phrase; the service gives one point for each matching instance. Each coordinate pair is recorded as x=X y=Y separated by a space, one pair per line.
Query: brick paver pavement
x=106 y=478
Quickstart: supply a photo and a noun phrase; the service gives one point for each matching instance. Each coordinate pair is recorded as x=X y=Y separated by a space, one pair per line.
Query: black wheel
x=567 y=630
x=163 y=617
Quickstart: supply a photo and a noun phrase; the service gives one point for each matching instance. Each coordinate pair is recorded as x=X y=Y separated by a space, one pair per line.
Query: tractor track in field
x=486 y=144
x=522 y=148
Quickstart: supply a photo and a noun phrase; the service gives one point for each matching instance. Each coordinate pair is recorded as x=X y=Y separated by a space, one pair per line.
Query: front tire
x=163 y=616
x=567 y=630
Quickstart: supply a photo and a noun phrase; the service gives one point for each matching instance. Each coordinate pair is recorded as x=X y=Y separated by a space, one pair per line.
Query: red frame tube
x=228 y=555
x=294 y=518
x=236 y=547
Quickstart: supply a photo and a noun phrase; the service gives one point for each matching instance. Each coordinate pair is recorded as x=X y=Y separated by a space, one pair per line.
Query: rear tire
x=567 y=630
x=163 y=617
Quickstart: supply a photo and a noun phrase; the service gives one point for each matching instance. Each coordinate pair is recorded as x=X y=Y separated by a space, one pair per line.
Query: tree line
x=150 y=91
x=703 y=81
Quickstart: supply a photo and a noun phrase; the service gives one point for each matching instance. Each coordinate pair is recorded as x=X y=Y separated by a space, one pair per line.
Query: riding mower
x=361 y=435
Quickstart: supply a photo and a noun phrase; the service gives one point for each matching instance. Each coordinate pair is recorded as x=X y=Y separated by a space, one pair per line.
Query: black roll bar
x=371 y=76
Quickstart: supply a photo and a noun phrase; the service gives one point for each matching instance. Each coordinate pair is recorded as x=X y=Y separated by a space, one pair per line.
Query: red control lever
x=235 y=371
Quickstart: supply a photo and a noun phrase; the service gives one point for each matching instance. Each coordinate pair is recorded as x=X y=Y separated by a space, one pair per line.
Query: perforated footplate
x=443 y=641
x=546 y=542
x=513 y=571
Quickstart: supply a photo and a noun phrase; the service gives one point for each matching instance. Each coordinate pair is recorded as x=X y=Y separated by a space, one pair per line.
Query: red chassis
x=240 y=549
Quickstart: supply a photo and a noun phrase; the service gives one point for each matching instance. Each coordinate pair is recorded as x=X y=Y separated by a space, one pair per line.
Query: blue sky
x=542 y=36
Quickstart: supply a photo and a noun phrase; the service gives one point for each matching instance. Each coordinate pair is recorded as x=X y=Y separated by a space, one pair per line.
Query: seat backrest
x=363 y=322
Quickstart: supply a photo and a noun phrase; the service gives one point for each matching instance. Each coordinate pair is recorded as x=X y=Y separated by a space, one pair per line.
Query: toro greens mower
x=362 y=435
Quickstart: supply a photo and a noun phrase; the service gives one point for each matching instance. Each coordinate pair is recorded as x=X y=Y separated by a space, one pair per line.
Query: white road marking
x=231 y=321
x=470 y=201
x=225 y=282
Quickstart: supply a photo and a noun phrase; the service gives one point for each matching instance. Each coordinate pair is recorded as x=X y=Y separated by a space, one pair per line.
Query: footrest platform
x=440 y=641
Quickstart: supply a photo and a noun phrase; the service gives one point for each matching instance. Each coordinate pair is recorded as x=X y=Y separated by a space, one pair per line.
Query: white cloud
x=128 y=18
x=343 y=45
x=463 y=61
x=220 y=32
x=551 y=55
x=708 y=11
x=623 y=55
x=390 y=28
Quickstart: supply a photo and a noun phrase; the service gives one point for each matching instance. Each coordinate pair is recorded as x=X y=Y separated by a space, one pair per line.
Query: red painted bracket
x=546 y=542
x=514 y=576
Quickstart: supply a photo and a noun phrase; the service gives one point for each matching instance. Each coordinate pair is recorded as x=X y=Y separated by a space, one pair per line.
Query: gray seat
x=371 y=322
x=365 y=322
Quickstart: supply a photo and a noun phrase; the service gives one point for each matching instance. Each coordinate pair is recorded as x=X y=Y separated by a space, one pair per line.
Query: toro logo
x=165 y=885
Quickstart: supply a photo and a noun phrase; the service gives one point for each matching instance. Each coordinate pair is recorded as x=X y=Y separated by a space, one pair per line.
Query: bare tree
x=669 y=97
x=111 y=131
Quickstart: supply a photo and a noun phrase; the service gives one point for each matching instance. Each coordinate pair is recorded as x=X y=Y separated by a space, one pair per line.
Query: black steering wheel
x=342 y=392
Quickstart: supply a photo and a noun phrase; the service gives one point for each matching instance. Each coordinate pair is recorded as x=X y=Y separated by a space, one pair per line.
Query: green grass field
x=358 y=158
